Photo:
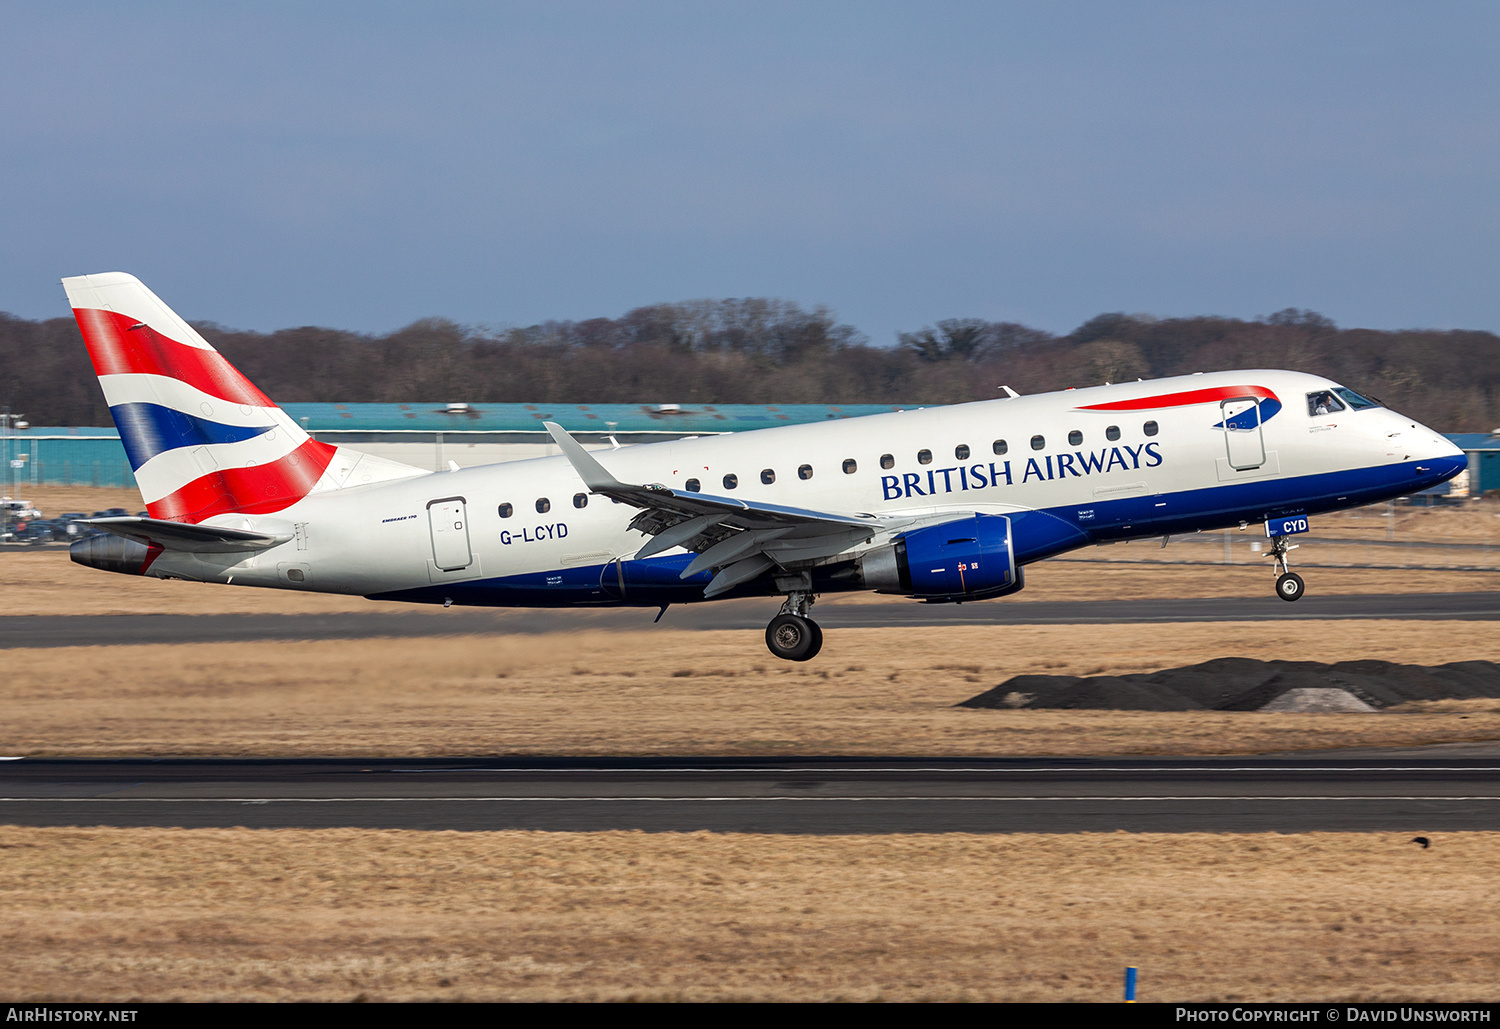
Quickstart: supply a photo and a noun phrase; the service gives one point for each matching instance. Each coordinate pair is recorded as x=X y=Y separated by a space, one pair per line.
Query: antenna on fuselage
x=1012 y=394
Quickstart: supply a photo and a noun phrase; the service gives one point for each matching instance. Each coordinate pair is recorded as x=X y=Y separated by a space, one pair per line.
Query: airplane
x=942 y=505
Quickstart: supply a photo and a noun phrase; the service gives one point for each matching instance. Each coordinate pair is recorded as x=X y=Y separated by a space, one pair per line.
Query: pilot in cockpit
x=1323 y=403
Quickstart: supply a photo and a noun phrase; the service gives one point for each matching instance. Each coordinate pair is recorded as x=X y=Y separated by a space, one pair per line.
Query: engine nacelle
x=965 y=559
x=113 y=554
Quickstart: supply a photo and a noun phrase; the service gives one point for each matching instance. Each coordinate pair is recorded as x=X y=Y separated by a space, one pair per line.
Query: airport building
x=1483 y=450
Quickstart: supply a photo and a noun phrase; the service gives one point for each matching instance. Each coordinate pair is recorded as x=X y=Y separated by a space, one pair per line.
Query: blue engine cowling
x=965 y=559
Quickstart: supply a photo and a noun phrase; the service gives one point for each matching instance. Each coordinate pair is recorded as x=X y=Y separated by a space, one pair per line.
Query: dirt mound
x=1245 y=684
x=1319 y=701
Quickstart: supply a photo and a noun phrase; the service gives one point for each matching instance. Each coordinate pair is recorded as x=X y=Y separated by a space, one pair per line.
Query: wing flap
x=737 y=539
x=742 y=570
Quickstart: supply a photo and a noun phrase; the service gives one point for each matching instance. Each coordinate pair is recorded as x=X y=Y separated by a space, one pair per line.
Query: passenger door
x=1244 y=443
x=450 y=534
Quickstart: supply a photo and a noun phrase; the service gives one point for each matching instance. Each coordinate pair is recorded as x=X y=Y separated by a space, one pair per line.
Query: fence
x=46 y=459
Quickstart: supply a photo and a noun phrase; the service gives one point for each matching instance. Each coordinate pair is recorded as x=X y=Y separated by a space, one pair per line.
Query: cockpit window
x=1323 y=402
x=1356 y=402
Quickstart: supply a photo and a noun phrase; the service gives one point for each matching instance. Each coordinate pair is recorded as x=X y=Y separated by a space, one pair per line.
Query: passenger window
x=1001 y=446
x=961 y=451
x=1075 y=438
x=731 y=481
x=767 y=476
x=506 y=510
x=580 y=500
x=1038 y=442
x=850 y=466
x=887 y=461
x=1323 y=402
x=1150 y=428
x=543 y=506
x=1112 y=433
x=804 y=471
x=693 y=485
x=924 y=457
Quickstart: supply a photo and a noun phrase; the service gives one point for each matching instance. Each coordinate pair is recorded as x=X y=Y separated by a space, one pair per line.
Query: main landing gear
x=1288 y=584
x=792 y=635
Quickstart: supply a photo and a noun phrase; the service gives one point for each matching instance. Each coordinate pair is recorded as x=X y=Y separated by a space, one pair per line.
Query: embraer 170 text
x=944 y=504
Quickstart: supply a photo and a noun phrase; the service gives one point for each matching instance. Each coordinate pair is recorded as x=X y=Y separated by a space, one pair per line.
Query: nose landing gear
x=1289 y=584
x=792 y=636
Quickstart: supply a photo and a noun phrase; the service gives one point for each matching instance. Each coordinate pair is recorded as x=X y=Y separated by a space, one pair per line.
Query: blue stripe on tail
x=151 y=429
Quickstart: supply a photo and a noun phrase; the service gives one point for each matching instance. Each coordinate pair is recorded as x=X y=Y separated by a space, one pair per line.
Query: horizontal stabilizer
x=181 y=536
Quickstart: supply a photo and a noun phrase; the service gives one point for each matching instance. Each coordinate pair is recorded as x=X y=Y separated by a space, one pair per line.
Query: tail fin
x=202 y=439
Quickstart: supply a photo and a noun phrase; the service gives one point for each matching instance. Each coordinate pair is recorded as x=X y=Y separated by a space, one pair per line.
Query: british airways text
x=996 y=473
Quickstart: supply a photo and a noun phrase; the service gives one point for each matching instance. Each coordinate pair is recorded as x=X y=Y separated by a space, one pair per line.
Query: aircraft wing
x=737 y=539
x=202 y=539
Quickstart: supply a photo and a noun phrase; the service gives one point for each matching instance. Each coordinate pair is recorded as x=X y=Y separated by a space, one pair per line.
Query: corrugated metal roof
x=673 y=418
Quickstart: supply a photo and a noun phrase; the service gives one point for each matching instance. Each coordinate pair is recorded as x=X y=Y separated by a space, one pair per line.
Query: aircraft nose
x=1442 y=460
x=1429 y=444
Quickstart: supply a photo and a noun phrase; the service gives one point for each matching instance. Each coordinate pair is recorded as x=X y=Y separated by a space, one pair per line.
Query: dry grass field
x=121 y=915
x=54 y=500
x=663 y=691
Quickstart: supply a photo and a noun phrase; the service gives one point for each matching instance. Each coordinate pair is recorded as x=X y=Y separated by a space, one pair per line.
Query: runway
x=1421 y=795
x=411 y=621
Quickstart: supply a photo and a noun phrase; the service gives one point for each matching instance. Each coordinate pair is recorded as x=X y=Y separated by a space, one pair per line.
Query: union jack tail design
x=202 y=439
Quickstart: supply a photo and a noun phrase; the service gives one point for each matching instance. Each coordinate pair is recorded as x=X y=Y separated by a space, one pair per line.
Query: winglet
x=593 y=474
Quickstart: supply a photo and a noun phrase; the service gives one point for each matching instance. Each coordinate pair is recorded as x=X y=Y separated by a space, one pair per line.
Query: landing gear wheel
x=1289 y=586
x=817 y=643
x=793 y=638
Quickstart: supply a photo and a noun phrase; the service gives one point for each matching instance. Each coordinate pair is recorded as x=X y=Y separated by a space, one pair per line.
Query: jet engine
x=965 y=559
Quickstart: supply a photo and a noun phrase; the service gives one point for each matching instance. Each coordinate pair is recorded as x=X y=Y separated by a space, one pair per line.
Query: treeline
x=773 y=351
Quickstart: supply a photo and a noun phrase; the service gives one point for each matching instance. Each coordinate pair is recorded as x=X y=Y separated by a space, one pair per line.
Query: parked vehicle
x=20 y=510
x=42 y=530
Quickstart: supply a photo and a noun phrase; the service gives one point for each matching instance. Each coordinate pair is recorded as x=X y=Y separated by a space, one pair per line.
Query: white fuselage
x=528 y=532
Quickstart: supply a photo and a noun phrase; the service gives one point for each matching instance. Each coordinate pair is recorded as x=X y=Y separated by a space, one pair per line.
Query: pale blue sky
x=362 y=165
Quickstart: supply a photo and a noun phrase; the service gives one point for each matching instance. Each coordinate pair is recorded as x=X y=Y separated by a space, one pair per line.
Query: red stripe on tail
x=262 y=489
x=117 y=348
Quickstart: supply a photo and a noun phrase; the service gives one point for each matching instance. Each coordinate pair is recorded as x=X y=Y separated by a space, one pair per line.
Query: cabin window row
x=850 y=466
x=544 y=504
x=888 y=461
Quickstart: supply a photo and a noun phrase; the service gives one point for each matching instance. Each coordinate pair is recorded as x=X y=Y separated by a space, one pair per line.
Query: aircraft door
x=450 y=534
x=1244 y=441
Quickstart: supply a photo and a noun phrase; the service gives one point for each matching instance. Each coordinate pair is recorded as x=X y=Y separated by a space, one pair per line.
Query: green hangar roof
x=603 y=419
